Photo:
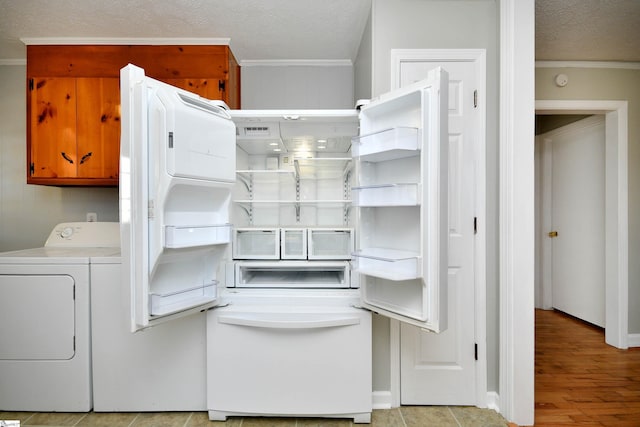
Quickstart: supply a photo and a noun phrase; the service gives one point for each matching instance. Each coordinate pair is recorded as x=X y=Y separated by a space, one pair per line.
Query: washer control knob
x=66 y=232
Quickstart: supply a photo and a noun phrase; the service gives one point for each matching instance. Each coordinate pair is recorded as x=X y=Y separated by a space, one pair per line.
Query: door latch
x=553 y=234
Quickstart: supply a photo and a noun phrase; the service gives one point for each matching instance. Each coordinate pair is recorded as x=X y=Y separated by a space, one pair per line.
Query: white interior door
x=441 y=368
x=577 y=222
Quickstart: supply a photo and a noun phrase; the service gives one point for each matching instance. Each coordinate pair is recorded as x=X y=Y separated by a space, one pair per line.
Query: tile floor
x=406 y=416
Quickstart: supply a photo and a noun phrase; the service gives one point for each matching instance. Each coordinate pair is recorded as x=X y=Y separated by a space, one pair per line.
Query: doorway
x=570 y=206
x=616 y=208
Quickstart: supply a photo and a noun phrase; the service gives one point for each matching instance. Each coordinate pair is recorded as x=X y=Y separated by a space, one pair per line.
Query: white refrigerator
x=289 y=228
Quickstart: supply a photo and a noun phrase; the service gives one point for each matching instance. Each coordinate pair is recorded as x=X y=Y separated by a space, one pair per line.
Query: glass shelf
x=387 y=195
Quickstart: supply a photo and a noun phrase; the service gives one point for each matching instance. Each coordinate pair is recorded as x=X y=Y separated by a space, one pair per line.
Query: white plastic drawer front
x=290 y=363
x=330 y=243
x=256 y=243
x=293 y=243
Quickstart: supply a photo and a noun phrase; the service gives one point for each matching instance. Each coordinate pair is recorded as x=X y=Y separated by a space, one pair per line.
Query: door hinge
x=475 y=351
x=170 y=139
x=221 y=85
x=150 y=209
x=31 y=84
x=74 y=293
x=475 y=225
x=32 y=168
x=475 y=98
x=74 y=343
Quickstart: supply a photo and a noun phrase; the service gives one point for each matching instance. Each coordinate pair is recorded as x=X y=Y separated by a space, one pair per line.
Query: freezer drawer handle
x=256 y=321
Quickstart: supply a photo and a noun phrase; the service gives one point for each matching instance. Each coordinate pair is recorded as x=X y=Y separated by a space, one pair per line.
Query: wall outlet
x=92 y=217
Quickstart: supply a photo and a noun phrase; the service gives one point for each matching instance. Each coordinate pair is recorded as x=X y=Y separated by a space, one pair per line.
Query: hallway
x=579 y=380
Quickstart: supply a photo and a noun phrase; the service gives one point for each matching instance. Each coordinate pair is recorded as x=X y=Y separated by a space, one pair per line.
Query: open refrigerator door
x=177 y=169
x=401 y=198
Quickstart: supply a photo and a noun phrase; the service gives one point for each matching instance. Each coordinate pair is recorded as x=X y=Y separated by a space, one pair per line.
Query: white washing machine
x=45 y=330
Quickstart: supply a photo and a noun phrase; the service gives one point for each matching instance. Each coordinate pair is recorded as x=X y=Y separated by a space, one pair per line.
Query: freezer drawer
x=256 y=243
x=275 y=361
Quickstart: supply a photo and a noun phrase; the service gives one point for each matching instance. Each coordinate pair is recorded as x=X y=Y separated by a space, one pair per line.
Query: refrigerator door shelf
x=191 y=236
x=172 y=302
x=387 y=144
x=388 y=264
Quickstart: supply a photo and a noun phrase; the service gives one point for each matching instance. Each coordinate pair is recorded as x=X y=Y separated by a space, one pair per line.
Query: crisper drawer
x=256 y=243
x=293 y=243
x=330 y=243
x=286 y=362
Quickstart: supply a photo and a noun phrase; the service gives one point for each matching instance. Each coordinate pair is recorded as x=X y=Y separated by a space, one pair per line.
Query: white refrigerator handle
x=288 y=321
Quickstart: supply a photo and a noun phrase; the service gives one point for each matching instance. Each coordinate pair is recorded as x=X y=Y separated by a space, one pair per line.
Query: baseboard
x=493 y=401
x=633 y=340
x=381 y=399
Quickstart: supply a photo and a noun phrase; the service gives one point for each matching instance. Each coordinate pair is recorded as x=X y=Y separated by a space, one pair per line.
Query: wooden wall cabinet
x=73 y=103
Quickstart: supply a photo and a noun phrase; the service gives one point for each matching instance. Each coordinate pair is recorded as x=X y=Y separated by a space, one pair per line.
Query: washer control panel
x=85 y=234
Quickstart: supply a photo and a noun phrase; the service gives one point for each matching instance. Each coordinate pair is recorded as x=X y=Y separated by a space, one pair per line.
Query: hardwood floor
x=581 y=381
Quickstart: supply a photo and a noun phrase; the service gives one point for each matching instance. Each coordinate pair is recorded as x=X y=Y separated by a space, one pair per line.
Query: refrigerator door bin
x=389 y=264
x=293 y=243
x=189 y=236
x=404 y=297
x=387 y=144
x=171 y=302
x=387 y=195
x=293 y=274
x=256 y=243
x=330 y=243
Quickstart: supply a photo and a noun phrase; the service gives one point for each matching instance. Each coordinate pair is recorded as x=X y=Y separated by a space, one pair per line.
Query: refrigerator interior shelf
x=338 y=202
x=387 y=144
x=322 y=167
x=162 y=304
x=189 y=236
x=389 y=264
x=387 y=195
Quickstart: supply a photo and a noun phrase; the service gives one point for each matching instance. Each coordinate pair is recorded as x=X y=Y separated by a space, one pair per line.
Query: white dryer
x=45 y=331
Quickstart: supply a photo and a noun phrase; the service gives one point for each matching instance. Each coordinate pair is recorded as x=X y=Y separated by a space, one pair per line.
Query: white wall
x=29 y=212
x=297 y=85
x=609 y=84
x=437 y=24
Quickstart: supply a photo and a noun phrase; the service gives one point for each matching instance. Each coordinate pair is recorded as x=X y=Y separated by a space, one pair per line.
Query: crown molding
x=124 y=41
x=588 y=64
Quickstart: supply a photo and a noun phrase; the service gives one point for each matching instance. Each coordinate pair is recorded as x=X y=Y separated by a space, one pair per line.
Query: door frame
x=616 y=208
x=477 y=56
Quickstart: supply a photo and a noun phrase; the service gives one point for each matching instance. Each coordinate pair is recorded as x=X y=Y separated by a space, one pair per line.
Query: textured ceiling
x=588 y=30
x=596 y=30
x=258 y=29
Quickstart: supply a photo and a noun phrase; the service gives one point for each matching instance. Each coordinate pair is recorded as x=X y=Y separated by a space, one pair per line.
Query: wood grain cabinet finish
x=73 y=102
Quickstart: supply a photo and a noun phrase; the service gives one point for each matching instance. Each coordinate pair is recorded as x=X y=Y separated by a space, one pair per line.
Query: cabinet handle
x=67 y=158
x=85 y=157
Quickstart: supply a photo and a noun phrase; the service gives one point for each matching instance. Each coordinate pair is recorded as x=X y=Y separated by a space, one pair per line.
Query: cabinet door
x=53 y=127
x=98 y=127
x=206 y=88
